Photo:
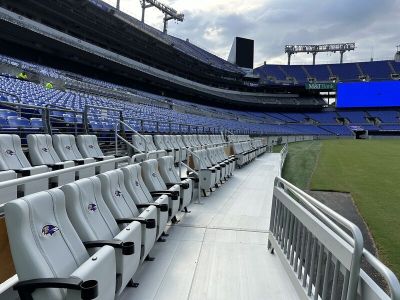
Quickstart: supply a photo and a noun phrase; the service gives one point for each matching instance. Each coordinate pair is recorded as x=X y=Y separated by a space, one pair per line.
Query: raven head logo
x=92 y=207
x=68 y=147
x=118 y=193
x=49 y=230
x=91 y=146
x=10 y=152
x=137 y=183
x=45 y=149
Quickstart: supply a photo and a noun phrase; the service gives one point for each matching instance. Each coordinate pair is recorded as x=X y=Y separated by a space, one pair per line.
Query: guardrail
x=284 y=152
x=320 y=257
x=52 y=174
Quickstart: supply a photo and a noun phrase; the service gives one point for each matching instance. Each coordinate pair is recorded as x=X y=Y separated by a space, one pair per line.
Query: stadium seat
x=140 y=194
x=41 y=152
x=170 y=176
x=156 y=185
x=142 y=144
x=207 y=176
x=66 y=148
x=49 y=258
x=161 y=144
x=122 y=206
x=89 y=148
x=13 y=158
x=216 y=162
x=93 y=221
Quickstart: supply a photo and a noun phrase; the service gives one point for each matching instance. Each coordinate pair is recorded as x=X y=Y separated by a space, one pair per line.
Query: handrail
x=329 y=217
x=51 y=174
x=60 y=108
x=322 y=212
x=389 y=276
x=195 y=172
x=134 y=131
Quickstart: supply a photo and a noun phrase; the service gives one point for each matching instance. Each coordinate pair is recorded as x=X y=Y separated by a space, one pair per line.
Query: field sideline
x=369 y=170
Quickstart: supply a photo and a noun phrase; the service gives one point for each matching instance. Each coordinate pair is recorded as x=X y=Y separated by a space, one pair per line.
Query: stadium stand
x=95 y=170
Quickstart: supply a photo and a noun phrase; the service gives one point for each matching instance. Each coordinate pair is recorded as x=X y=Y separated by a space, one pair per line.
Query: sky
x=374 y=25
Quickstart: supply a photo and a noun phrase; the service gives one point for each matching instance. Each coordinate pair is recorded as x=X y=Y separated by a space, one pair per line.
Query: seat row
x=174 y=145
x=49 y=153
x=86 y=239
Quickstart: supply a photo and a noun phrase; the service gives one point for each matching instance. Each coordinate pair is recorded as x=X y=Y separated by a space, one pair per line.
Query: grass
x=300 y=163
x=370 y=171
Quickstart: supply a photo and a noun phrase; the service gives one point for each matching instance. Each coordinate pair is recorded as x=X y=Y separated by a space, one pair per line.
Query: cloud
x=212 y=24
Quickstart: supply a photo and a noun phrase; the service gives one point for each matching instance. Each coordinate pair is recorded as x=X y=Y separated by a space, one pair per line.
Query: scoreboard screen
x=368 y=94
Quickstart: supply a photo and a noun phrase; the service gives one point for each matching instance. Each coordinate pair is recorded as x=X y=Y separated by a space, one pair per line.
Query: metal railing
x=321 y=258
x=120 y=124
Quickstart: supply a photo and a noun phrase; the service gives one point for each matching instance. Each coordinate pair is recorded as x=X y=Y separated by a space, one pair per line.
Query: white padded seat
x=10 y=193
x=210 y=165
x=160 y=144
x=44 y=245
x=212 y=157
x=13 y=158
x=93 y=221
x=42 y=152
x=156 y=185
x=171 y=177
x=140 y=194
x=207 y=176
x=143 y=144
x=171 y=142
x=182 y=146
x=122 y=206
x=89 y=148
x=66 y=148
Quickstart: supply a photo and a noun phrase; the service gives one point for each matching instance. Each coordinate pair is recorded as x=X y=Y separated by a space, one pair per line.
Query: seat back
x=135 y=185
x=11 y=155
x=167 y=169
x=41 y=150
x=88 y=211
x=89 y=146
x=43 y=241
x=65 y=146
x=151 y=176
x=139 y=143
x=116 y=195
x=160 y=143
x=150 y=143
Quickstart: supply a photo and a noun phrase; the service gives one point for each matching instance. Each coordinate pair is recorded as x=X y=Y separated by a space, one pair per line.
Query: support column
x=118 y=4
x=314 y=54
x=289 y=57
x=341 y=56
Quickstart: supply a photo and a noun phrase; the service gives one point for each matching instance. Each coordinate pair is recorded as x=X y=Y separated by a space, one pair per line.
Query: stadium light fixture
x=314 y=49
x=169 y=12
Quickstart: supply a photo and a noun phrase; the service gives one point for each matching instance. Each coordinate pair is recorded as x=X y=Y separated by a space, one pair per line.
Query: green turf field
x=369 y=170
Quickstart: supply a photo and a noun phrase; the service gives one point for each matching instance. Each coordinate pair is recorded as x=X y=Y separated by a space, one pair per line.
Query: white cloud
x=212 y=25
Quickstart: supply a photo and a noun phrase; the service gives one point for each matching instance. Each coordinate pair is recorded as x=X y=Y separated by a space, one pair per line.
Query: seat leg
x=185 y=210
x=149 y=258
x=174 y=220
x=161 y=240
x=164 y=234
x=133 y=284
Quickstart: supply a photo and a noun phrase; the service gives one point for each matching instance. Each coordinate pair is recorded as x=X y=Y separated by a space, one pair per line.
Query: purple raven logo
x=10 y=152
x=68 y=147
x=45 y=150
x=91 y=146
x=49 y=230
x=92 y=207
x=118 y=193
x=137 y=183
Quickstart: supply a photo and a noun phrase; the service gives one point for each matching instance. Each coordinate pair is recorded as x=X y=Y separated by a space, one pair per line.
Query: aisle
x=219 y=250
